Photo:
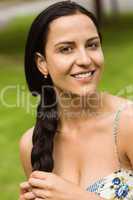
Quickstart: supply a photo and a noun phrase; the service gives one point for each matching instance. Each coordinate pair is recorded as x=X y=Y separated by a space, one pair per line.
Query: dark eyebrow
x=71 y=42
x=93 y=38
x=64 y=42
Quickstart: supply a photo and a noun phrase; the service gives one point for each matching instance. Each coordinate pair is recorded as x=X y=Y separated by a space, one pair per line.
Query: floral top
x=119 y=184
x=116 y=186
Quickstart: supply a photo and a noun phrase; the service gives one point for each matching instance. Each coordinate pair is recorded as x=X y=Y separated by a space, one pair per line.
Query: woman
x=74 y=151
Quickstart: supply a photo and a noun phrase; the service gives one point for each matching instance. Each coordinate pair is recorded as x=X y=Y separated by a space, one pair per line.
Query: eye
x=66 y=50
x=93 y=45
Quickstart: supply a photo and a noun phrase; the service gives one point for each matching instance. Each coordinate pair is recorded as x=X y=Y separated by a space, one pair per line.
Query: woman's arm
x=51 y=186
x=25 y=151
x=25 y=157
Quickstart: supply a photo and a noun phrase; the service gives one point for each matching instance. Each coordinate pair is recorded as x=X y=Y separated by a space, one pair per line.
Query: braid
x=44 y=132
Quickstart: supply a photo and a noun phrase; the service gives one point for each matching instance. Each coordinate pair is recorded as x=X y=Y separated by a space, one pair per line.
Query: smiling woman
x=72 y=55
x=64 y=63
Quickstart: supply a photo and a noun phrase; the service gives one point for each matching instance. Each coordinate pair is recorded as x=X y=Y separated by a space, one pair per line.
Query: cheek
x=99 y=58
x=59 y=65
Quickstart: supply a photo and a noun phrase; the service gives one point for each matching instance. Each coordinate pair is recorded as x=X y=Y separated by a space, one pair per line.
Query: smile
x=84 y=77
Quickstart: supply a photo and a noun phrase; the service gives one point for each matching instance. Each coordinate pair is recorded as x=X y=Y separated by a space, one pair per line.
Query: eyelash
x=92 y=46
x=65 y=50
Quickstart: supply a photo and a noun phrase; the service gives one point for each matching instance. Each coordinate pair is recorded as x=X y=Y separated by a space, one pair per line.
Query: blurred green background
x=16 y=117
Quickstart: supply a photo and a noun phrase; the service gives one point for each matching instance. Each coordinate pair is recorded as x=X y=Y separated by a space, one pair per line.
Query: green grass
x=13 y=37
x=14 y=121
x=118 y=48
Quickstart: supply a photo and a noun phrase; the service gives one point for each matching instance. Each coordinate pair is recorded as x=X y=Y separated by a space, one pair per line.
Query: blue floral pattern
x=116 y=186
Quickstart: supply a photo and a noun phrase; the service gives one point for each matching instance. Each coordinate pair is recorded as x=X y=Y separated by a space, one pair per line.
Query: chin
x=85 y=92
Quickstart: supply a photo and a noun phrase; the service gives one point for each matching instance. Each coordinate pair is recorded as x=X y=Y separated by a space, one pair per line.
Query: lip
x=82 y=72
x=85 y=79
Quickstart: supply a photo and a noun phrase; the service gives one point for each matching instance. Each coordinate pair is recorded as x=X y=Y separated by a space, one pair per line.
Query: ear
x=41 y=63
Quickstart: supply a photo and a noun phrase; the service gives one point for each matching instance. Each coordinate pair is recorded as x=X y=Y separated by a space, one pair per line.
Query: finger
x=24 y=187
x=39 y=183
x=21 y=197
x=29 y=195
x=40 y=174
x=41 y=193
x=38 y=199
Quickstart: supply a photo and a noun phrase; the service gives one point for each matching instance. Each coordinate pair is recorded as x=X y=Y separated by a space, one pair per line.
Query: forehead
x=71 y=27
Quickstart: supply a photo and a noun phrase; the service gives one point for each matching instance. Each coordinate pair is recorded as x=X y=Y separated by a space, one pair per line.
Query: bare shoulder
x=127 y=130
x=126 y=115
x=125 y=125
x=117 y=101
x=128 y=133
x=25 y=151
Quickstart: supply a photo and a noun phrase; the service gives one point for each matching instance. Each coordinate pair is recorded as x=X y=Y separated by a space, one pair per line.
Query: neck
x=78 y=110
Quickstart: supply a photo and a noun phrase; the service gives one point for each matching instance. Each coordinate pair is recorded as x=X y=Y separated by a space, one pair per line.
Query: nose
x=83 y=58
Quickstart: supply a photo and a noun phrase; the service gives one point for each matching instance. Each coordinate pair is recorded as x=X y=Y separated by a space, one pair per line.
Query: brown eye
x=66 y=50
x=93 y=45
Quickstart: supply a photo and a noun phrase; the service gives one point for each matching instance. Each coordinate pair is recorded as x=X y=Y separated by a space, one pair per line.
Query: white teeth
x=85 y=75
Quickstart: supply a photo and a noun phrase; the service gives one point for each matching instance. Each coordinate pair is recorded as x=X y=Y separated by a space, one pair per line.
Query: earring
x=45 y=76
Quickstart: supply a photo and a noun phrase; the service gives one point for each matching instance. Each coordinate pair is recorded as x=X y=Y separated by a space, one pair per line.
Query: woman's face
x=73 y=49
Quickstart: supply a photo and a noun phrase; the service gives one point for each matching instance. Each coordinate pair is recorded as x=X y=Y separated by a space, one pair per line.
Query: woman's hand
x=25 y=192
x=51 y=186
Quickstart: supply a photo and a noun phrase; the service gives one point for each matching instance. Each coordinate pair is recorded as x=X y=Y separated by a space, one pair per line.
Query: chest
x=83 y=160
